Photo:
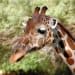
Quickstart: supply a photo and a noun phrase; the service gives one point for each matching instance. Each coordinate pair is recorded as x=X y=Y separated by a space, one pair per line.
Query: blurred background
x=12 y=14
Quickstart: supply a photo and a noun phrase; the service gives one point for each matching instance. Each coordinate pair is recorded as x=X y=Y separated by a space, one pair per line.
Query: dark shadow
x=29 y=72
x=65 y=71
x=58 y=71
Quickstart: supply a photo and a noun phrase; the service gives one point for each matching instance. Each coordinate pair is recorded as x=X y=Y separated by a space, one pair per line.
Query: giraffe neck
x=69 y=52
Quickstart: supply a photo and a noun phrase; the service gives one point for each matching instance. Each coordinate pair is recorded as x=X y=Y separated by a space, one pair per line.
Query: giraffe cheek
x=40 y=42
x=70 y=61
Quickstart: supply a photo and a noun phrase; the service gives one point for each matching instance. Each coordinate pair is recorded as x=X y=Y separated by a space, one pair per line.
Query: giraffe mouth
x=17 y=56
x=21 y=52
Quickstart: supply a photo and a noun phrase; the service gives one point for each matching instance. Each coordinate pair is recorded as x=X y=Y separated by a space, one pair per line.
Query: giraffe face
x=37 y=35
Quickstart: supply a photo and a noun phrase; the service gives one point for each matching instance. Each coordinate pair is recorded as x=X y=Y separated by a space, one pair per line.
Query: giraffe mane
x=66 y=31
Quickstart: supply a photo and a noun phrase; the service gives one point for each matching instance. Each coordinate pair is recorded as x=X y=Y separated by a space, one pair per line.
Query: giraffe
x=41 y=30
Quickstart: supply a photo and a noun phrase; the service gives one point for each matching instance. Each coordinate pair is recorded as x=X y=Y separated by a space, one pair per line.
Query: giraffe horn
x=43 y=11
x=36 y=11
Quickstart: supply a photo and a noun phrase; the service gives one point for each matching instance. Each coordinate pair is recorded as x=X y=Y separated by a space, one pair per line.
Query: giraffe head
x=37 y=34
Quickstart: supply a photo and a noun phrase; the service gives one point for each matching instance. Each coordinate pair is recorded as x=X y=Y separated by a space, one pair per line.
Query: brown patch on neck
x=71 y=43
x=64 y=30
x=69 y=53
x=70 y=61
x=70 y=38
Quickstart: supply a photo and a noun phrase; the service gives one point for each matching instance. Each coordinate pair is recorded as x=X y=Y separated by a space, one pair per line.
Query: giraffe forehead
x=49 y=21
x=45 y=19
x=42 y=20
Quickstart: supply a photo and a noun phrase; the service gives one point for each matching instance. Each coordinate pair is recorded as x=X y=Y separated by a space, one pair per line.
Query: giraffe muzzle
x=22 y=48
x=15 y=57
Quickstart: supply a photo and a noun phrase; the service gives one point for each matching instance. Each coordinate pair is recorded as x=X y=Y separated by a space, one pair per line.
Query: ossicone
x=43 y=10
x=36 y=11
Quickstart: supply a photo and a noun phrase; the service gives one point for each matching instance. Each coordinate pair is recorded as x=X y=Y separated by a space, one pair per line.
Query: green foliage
x=32 y=61
x=12 y=12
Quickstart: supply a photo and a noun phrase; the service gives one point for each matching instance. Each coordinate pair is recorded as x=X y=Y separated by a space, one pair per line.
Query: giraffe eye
x=42 y=30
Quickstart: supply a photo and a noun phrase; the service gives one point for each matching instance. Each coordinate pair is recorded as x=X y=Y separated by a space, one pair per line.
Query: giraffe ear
x=43 y=10
x=53 y=23
x=36 y=12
